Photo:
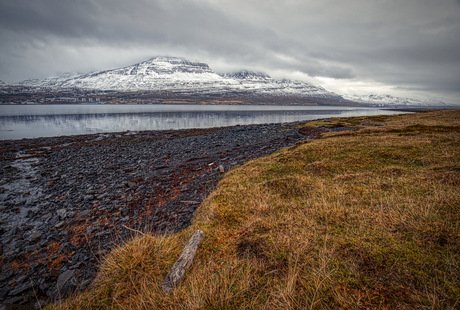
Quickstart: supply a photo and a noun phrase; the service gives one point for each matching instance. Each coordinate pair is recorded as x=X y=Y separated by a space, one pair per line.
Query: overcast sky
x=400 y=47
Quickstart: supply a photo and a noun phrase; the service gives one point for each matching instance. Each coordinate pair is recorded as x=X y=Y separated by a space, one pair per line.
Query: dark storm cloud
x=412 y=44
x=119 y=22
x=135 y=22
x=198 y=26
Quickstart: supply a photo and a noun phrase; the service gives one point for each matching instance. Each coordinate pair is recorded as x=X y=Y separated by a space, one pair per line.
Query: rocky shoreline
x=66 y=201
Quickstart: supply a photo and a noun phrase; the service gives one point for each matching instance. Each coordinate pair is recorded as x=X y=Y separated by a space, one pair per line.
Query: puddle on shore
x=19 y=188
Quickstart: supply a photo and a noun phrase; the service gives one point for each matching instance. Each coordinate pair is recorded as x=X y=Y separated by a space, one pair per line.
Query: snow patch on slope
x=389 y=100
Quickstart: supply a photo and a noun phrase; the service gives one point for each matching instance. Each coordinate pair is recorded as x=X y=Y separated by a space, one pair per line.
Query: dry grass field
x=361 y=219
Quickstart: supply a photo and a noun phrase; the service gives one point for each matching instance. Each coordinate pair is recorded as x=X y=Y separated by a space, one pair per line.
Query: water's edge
x=18 y=122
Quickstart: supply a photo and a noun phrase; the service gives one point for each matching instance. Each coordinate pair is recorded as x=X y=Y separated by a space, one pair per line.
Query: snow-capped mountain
x=263 y=84
x=154 y=74
x=180 y=77
x=183 y=76
x=389 y=100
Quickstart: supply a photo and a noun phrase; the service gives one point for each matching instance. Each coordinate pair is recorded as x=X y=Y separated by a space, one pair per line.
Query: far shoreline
x=36 y=121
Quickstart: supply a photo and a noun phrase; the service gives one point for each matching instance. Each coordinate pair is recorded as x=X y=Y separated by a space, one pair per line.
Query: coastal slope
x=362 y=218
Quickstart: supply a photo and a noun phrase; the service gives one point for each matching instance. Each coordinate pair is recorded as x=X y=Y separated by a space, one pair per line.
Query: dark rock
x=16 y=245
x=35 y=236
x=18 y=280
x=54 y=273
x=20 y=288
x=88 y=197
x=43 y=285
x=62 y=213
x=59 y=225
x=4 y=292
x=84 y=213
x=100 y=197
x=32 y=248
x=53 y=221
x=16 y=303
x=132 y=185
x=3 y=277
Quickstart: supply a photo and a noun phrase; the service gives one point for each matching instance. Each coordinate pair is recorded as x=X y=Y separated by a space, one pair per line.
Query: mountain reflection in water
x=55 y=123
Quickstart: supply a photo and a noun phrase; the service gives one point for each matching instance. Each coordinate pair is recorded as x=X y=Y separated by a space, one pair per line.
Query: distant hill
x=388 y=100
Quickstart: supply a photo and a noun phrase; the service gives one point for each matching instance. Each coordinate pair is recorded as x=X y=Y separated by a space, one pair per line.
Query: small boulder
x=35 y=236
x=132 y=185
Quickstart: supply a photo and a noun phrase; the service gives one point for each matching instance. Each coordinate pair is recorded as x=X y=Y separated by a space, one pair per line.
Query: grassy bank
x=356 y=219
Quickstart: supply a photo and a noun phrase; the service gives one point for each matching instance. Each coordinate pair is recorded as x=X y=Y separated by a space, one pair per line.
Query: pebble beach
x=66 y=201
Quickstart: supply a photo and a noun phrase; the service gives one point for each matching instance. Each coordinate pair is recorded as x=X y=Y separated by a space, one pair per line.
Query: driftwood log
x=184 y=261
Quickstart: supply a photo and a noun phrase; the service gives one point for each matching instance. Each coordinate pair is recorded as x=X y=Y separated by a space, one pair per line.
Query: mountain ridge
x=181 y=77
x=179 y=74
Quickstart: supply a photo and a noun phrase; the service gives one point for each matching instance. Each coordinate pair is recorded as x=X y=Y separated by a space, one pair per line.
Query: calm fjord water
x=33 y=121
